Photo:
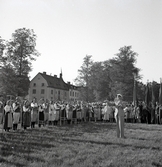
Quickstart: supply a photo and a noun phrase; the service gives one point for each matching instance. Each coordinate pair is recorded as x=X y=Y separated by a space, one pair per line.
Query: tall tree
x=20 y=51
x=83 y=77
x=123 y=68
x=2 y=48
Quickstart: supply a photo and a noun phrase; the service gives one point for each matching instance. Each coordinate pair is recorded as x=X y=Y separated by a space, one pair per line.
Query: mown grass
x=83 y=145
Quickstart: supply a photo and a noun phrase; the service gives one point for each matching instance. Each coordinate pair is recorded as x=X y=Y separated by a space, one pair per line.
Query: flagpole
x=160 y=101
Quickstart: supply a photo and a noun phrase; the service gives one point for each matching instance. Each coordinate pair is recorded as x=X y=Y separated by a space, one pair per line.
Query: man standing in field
x=119 y=116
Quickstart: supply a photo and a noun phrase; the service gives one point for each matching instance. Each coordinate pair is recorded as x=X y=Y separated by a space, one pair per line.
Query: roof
x=55 y=82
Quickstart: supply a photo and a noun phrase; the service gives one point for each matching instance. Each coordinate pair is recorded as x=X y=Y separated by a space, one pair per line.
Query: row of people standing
x=29 y=113
x=143 y=114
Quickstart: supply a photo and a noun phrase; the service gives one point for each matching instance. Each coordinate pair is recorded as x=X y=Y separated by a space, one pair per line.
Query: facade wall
x=38 y=88
x=74 y=95
x=57 y=94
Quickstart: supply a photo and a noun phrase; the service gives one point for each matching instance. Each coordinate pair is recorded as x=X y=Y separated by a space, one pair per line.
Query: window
x=42 y=84
x=34 y=84
x=34 y=91
x=42 y=91
x=52 y=92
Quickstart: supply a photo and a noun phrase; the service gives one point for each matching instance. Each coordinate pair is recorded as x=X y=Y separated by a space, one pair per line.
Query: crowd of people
x=44 y=112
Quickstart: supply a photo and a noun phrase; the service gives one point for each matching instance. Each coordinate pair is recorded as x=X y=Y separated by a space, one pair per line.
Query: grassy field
x=82 y=145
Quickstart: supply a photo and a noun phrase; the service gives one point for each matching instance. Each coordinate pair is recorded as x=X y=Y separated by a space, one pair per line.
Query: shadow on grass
x=110 y=143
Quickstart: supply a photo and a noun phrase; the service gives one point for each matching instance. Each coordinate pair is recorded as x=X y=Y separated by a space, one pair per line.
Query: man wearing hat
x=119 y=116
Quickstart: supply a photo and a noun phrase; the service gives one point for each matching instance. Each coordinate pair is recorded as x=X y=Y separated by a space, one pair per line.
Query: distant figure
x=8 y=116
x=26 y=121
x=34 y=113
x=16 y=113
x=119 y=116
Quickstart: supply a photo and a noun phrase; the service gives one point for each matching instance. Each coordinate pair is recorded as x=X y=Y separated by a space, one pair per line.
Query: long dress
x=51 y=113
x=34 y=112
x=26 y=117
x=41 y=115
x=56 y=112
x=119 y=113
x=8 y=117
x=16 y=113
x=46 y=112
x=79 y=115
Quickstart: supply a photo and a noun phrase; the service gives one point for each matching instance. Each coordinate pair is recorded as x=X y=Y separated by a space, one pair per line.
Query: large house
x=52 y=88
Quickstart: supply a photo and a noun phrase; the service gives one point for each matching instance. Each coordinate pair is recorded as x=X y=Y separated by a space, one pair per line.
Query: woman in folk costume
x=111 y=115
x=62 y=112
x=56 y=113
x=119 y=116
x=107 y=111
x=16 y=113
x=74 y=115
x=41 y=109
x=98 y=108
x=95 y=107
x=78 y=109
x=34 y=113
x=82 y=110
x=8 y=116
x=46 y=111
x=69 y=111
x=26 y=114
x=91 y=112
x=51 y=113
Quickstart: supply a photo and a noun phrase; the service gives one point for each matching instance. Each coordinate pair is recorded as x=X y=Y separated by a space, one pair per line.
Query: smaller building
x=52 y=88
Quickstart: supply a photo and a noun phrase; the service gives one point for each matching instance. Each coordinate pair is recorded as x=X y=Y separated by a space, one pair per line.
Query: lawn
x=82 y=145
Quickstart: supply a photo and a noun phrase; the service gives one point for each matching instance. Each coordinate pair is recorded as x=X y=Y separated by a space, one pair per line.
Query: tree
x=122 y=70
x=8 y=82
x=100 y=80
x=83 y=77
x=20 y=51
x=2 y=47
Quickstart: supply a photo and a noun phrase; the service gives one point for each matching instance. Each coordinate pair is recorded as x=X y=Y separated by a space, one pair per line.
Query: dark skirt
x=26 y=119
x=63 y=113
x=8 y=121
x=74 y=114
x=41 y=116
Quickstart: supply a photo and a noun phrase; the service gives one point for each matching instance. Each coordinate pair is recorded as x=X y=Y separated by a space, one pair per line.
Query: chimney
x=60 y=75
x=68 y=83
x=44 y=73
x=55 y=76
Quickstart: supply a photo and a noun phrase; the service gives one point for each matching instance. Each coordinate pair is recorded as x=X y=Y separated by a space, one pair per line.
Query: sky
x=68 y=30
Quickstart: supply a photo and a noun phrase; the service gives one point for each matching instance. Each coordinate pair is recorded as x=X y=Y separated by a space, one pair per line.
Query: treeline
x=16 y=56
x=103 y=80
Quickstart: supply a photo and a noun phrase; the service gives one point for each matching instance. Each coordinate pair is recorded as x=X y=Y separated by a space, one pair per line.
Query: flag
x=152 y=94
x=147 y=96
x=160 y=92
x=160 y=102
x=135 y=93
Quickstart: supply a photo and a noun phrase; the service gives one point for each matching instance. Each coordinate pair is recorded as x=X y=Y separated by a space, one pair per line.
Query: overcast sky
x=68 y=30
